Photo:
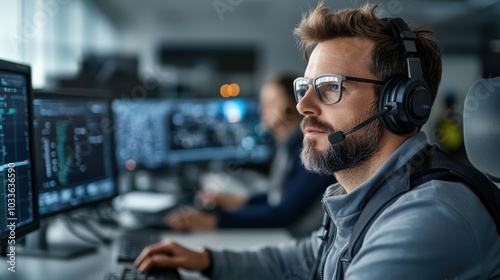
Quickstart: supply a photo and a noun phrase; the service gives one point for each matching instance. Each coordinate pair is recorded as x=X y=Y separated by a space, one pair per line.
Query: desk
x=96 y=266
x=226 y=239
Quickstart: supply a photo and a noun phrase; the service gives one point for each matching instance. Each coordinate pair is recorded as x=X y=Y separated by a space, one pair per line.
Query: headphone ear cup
x=410 y=101
x=386 y=100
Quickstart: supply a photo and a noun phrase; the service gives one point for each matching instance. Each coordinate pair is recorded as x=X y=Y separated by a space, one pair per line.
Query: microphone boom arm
x=338 y=136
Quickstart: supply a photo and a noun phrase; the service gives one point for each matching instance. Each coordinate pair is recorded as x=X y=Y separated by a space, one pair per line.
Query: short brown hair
x=388 y=58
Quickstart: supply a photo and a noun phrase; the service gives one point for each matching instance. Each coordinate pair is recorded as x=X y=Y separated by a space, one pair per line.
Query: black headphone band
x=402 y=33
x=408 y=96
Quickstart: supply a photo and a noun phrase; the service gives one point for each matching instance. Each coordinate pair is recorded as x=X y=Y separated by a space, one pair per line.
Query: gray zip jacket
x=439 y=230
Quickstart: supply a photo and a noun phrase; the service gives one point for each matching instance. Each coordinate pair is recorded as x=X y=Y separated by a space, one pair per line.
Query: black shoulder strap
x=446 y=168
x=424 y=168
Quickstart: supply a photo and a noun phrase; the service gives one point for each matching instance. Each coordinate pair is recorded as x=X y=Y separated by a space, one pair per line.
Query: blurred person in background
x=293 y=195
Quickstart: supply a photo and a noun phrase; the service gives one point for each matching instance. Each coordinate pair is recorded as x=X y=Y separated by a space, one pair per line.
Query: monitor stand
x=36 y=245
x=3 y=250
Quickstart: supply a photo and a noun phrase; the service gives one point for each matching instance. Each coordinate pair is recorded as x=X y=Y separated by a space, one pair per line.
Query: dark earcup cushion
x=410 y=101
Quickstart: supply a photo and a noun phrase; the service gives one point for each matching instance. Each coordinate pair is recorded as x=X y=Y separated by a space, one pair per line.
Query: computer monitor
x=19 y=205
x=74 y=160
x=141 y=133
x=217 y=129
x=73 y=143
x=155 y=133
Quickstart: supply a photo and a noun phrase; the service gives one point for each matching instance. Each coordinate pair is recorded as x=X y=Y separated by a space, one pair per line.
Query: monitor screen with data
x=74 y=151
x=141 y=133
x=217 y=129
x=156 y=133
x=18 y=211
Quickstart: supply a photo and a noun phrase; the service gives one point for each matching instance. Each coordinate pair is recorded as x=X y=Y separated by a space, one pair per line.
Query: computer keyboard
x=130 y=273
x=131 y=244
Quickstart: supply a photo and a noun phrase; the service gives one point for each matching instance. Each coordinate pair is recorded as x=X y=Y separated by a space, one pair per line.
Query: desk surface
x=95 y=266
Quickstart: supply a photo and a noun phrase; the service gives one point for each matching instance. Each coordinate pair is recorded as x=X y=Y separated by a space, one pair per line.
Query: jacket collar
x=344 y=209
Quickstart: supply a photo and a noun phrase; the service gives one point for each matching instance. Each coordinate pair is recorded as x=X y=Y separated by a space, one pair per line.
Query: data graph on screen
x=74 y=153
x=141 y=133
x=15 y=149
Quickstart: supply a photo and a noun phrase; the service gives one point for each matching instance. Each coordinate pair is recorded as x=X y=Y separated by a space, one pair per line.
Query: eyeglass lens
x=327 y=88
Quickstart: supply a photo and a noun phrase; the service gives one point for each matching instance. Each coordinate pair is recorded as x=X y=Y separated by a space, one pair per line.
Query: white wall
x=52 y=35
x=10 y=29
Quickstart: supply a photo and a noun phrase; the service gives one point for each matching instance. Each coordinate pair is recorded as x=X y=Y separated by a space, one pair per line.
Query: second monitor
x=73 y=144
x=74 y=167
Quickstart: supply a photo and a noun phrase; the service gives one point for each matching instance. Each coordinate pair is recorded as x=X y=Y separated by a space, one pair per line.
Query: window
x=52 y=35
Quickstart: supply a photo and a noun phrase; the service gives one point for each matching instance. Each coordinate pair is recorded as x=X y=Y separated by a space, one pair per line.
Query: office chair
x=482 y=126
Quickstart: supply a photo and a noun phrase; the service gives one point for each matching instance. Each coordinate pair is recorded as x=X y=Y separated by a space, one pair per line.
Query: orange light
x=235 y=89
x=224 y=90
x=227 y=90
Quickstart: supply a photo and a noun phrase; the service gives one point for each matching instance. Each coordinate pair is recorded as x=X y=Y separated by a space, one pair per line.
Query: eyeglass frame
x=341 y=78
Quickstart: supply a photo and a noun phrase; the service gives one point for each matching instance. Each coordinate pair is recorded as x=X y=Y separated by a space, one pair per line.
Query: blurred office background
x=189 y=48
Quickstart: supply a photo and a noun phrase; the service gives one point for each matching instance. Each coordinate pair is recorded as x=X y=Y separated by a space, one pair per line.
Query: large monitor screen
x=18 y=205
x=74 y=151
x=217 y=129
x=158 y=133
x=141 y=133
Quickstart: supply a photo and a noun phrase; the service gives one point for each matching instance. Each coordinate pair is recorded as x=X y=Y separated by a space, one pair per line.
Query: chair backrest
x=482 y=126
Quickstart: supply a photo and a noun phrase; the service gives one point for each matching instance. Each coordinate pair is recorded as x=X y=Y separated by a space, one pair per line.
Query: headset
x=409 y=98
x=404 y=103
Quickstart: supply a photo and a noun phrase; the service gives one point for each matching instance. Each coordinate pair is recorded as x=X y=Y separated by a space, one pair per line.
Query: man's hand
x=189 y=218
x=171 y=255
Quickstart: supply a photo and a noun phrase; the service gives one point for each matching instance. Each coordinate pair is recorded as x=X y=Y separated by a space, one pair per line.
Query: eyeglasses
x=328 y=87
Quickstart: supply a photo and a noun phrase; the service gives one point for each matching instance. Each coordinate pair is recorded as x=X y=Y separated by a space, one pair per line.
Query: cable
x=91 y=228
x=70 y=227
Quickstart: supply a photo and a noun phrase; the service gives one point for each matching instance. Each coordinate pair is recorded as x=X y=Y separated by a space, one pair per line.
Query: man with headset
x=368 y=88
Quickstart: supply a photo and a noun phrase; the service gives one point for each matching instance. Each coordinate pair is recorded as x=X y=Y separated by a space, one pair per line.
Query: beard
x=351 y=152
